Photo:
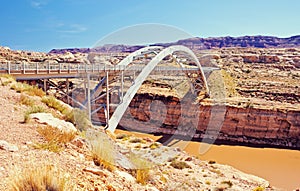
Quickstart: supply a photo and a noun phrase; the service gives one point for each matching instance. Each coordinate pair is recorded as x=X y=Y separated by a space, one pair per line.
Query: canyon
x=261 y=94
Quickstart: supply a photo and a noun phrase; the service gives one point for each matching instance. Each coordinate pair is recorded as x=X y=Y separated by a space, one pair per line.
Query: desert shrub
x=33 y=109
x=28 y=89
x=6 y=79
x=122 y=136
x=52 y=146
x=259 y=188
x=69 y=116
x=79 y=118
x=135 y=140
x=228 y=183
x=52 y=102
x=154 y=145
x=102 y=150
x=142 y=176
x=18 y=87
x=56 y=135
x=142 y=168
x=179 y=164
x=55 y=138
x=25 y=100
x=40 y=178
x=218 y=172
x=35 y=91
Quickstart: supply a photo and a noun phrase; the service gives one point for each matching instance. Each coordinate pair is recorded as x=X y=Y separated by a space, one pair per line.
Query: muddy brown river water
x=281 y=167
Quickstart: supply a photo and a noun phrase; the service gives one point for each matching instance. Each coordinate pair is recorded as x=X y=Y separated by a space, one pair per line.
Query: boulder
x=48 y=119
x=250 y=58
x=7 y=146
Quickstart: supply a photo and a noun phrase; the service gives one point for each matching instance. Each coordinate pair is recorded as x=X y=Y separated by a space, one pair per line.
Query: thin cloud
x=73 y=28
x=38 y=4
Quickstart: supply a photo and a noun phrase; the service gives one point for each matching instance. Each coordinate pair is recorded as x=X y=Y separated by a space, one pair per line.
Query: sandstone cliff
x=198 y=43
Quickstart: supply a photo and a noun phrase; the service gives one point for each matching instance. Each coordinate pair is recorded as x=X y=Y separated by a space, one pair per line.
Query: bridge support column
x=8 y=67
x=122 y=86
x=84 y=87
x=107 y=99
x=89 y=98
x=45 y=85
x=67 y=84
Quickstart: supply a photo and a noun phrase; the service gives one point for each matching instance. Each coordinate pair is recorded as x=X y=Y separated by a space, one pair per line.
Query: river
x=281 y=167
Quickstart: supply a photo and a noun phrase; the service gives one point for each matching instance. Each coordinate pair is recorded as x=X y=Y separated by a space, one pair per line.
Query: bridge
x=124 y=79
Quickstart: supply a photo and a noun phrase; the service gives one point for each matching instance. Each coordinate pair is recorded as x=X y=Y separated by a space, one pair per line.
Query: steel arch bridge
x=138 y=65
x=198 y=82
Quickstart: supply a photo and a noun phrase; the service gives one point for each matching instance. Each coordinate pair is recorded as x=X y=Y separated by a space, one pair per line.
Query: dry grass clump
x=51 y=146
x=26 y=100
x=80 y=119
x=154 y=145
x=56 y=139
x=136 y=140
x=143 y=167
x=102 y=150
x=52 y=102
x=76 y=116
x=228 y=183
x=28 y=89
x=259 y=188
x=54 y=134
x=33 y=109
x=41 y=178
x=123 y=137
x=7 y=79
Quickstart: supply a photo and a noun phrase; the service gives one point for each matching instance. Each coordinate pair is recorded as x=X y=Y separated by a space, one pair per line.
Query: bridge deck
x=66 y=70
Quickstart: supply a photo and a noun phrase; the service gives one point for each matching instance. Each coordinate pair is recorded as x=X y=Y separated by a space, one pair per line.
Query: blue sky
x=41 y=25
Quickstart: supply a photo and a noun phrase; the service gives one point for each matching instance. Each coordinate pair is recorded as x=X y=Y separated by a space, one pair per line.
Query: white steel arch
x=127 y=60
x=120 y=110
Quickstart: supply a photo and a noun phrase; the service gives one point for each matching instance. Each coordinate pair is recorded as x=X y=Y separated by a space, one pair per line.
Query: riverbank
x=280 y=167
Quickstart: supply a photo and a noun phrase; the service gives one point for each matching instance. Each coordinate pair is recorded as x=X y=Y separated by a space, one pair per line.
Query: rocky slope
x=19 y=56
x=261 y=86
x=271 y=74
x=171 y=169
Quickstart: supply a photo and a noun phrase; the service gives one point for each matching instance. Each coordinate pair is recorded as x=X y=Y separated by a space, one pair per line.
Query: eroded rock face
x=197 y=43
x=269 y=74
x=267 y=59
x=241 y=125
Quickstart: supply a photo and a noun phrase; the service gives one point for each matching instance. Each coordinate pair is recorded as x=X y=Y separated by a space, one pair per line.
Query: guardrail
x=60 y=68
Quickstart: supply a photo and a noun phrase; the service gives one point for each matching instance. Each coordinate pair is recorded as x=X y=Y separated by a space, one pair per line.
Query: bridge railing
x=41 y=68
x=47 y=68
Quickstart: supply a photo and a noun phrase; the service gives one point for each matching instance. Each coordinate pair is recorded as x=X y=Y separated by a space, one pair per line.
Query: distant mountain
x=198 y=43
